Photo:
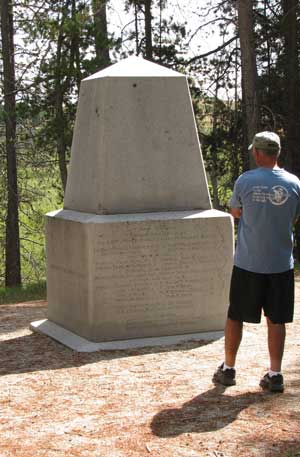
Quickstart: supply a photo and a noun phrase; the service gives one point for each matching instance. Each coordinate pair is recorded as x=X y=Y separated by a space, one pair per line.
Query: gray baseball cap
x=266 y=141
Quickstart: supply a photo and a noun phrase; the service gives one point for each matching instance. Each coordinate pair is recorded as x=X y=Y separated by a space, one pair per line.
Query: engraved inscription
x=157 y=273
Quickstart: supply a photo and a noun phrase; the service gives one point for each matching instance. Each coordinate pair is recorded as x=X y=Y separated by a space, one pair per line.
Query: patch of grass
x=41 y=191
x=27 y=292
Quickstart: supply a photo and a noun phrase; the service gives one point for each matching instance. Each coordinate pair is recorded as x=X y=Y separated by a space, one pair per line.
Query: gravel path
x=148 y=402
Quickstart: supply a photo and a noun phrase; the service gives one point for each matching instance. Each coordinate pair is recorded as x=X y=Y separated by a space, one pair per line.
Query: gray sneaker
x=272 y=383
x=225 y=377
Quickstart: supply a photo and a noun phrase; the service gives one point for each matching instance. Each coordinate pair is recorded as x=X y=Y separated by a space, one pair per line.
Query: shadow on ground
x=37 y=352
x=211 y=410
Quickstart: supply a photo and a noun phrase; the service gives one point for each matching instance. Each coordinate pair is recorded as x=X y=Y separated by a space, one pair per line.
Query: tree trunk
x=136 y=25
x=235 y=124
x=75 y=50
x=148 y=30
x=61 y=146
x=160 y=30
x=101 y=37
x=292 y=98
x=251 y=119
x=214 y=148
x=59 y=114
x=12 y=245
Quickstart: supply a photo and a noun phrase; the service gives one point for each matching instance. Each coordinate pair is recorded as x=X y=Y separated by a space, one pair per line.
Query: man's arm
x=236 y=212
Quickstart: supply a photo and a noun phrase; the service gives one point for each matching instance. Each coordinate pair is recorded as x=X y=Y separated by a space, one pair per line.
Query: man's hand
x=236 y=212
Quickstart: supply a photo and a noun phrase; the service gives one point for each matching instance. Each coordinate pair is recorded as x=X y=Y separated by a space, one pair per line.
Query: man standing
x=267 y=201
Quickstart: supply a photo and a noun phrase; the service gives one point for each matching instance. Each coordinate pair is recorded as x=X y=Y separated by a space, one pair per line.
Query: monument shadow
x=37 y=352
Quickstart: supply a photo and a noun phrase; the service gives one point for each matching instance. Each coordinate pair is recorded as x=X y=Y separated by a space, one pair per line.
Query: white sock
x=272 y=373
x=226 y=367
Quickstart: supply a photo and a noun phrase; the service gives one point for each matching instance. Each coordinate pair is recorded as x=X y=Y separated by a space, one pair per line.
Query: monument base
x=79 y=344
x=117 y=277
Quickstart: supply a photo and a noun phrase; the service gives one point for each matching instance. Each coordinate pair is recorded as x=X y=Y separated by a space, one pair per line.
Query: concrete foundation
x=135 y=276
x=79 y=344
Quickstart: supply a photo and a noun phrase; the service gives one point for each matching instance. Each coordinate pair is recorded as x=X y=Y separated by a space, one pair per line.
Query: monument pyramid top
x=135 y=146
x=135 y=66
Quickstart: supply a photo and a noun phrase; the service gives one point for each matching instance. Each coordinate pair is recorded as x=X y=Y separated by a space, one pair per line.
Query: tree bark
x=292 y=98
x=148 y=30
x=101 y=36
x=75 y=50
x=214 y=149
x=160 y=30
x=235 y=124
x=12 y=244
x=136 y=25
x=251 y=118
x=59 y=114
x=62 y=84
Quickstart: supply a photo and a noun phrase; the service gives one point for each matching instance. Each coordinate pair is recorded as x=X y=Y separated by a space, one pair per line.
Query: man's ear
x=255 y=154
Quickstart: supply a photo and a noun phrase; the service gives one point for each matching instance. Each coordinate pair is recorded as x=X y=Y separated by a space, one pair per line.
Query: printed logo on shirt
x=277 y=196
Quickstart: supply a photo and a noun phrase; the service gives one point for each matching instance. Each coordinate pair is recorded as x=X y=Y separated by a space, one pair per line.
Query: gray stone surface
x=135 y=146
x=79 y=344
x=133 y=276
x=137 y=251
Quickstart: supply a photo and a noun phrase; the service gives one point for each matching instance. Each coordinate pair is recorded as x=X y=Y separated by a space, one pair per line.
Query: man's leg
x=240 y=281
x=225 y=373
x=276 y=339
x=233 y=337
x=273 y=380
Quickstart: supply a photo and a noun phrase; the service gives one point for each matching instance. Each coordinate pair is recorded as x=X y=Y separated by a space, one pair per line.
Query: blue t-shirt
x=270 y=202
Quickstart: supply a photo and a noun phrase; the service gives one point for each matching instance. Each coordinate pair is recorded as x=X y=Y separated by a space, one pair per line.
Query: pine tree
x=12 y=245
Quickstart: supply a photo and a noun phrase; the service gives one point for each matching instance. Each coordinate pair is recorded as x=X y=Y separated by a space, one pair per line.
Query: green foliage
x=219 y=129
x=28 y=292
x=40 y=192
x=57 y=50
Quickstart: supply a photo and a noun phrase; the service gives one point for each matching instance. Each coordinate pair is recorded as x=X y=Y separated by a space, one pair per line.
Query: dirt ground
x=149 y=402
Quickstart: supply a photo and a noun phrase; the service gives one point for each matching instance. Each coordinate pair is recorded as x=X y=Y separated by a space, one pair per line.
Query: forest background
x=245 y=79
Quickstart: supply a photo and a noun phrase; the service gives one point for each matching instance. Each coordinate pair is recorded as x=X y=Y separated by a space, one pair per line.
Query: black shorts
x=252 y=292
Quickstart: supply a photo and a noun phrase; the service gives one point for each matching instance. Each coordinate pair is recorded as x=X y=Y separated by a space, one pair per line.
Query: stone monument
x=137 y=250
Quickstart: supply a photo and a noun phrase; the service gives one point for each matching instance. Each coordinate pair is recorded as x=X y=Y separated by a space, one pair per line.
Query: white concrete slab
x=79 y=344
